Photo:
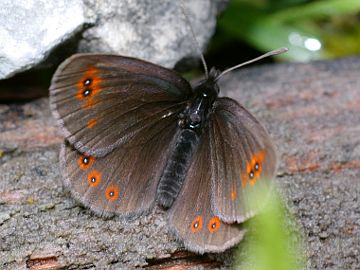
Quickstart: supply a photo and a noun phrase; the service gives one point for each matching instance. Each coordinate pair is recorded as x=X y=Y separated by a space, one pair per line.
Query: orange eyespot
x=88 y=86
x=112 y=193
x=197 y=224
x=94 y=178
x=84 y=93
x=214 y=224
x=91 y=123
x=253 y=169
x=89 y=103
x=85 y=162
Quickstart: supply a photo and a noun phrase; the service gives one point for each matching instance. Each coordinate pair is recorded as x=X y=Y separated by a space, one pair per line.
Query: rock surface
x=312 y=112
x=29 y=30
x=152 y=30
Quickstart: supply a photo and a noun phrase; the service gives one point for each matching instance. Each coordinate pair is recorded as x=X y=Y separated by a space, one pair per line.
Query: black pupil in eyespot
x=251 y=174
x=213 y=225
x=256 y=167
x=85 y=161
x=86 y=92
x=111 y=193
x=87 y=82
x=196 y=225
x=93 y=179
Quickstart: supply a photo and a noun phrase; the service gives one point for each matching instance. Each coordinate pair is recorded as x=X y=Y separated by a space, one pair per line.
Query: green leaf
x=307 y=29
x=273 y=242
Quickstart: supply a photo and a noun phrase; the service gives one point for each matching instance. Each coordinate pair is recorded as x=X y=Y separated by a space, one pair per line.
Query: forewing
x=103 y=101
x=123 y=182
x=243 y=161
x=191 y=217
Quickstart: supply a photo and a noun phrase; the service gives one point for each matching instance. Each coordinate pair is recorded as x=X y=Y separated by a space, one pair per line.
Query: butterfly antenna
x=184 y=11
x=274 y=52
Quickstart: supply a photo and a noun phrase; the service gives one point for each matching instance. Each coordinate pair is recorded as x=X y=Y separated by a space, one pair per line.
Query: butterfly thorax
x=197 y=111
x=191 y=124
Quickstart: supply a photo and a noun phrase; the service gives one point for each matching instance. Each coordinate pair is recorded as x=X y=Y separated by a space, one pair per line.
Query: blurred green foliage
x=273 y=240
x=311 y=29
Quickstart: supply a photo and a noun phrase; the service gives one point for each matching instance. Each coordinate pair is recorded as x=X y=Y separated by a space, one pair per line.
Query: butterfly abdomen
x=176 y=167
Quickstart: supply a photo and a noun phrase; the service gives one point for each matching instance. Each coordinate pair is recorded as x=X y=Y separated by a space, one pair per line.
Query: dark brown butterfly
x=137 y=133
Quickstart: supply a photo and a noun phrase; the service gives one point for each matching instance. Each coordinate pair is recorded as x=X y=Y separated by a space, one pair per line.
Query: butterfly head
x=208 y=88
x=196 y=113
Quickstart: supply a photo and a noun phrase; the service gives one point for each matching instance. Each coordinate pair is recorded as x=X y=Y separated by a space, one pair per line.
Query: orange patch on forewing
x=214 y=224
x=94 y=178
x=253 y=181
x=233 y=195
x=244 y=179
x=85 y=162
x=112 y=193
x=197 y=224
x=91 y=76
x=91 y=123
x=90 y=102
x=261 y=156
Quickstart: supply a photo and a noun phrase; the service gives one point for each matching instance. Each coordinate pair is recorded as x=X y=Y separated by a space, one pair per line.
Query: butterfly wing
x=123 y=182
x=243 y=161
x=191 y=217
x=103 y=101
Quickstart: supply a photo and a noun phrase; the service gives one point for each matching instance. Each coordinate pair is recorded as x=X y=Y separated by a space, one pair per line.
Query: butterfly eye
x=214 y=224
x=195 y=118
x=197 y=224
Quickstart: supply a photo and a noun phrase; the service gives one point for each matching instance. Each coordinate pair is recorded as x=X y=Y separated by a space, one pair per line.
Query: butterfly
x=138 y=134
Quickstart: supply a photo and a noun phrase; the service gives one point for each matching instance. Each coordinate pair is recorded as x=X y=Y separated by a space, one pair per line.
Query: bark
x=313 y=114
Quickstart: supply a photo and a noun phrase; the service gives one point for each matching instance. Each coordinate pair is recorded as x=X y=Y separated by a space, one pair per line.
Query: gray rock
x=29 y=29
x=151 y=30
